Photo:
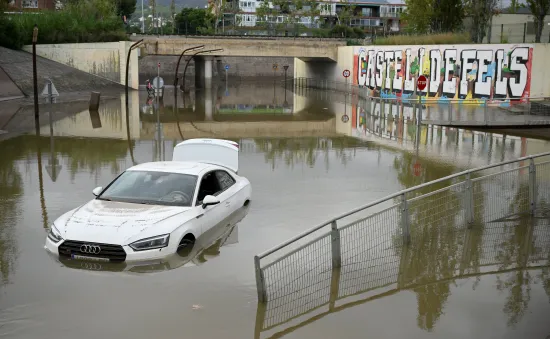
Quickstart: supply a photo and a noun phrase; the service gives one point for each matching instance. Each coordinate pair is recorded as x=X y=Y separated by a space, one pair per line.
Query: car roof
x=182 y=167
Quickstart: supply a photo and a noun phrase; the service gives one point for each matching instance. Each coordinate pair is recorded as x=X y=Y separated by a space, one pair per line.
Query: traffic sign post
x=346 y=73
x=226 y=69
x=50 y=92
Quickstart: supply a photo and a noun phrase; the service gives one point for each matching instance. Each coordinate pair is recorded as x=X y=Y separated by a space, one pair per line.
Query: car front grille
x=114 y=253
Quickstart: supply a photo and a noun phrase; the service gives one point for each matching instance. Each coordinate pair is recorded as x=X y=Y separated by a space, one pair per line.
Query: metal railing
x=534 y=111
x=395 y=222
x=445 y=255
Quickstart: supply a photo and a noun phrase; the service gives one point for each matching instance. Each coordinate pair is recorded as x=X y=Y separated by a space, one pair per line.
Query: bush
x=429 y=39
x=83 y=21
x=9 y=33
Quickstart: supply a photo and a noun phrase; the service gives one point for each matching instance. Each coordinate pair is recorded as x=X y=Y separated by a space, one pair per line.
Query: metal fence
x=379 y=236
x=437 y=111
x=440 y=256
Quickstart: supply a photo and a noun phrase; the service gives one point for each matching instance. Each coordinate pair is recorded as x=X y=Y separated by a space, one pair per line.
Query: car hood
x=117 y=222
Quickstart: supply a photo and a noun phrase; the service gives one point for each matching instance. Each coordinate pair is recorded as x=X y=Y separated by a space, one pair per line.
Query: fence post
x=450 y=111
x=524 y=31
x=419 y=118
x=532 y=186
x=335 y=245
x=260 y=281
x=485 y=112
x=405 y=220
x=469 y=201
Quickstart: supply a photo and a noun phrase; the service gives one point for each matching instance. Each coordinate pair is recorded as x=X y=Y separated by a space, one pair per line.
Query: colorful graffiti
x=466 y=73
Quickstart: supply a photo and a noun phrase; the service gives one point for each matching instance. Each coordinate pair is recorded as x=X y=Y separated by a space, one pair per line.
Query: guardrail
x=533 y=111
x=394 y=222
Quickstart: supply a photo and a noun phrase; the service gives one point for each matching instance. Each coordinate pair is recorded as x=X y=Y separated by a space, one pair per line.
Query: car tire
x=185 y=246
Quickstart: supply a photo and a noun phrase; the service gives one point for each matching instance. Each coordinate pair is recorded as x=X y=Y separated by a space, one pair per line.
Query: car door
x=228 y=191
x=214 y=214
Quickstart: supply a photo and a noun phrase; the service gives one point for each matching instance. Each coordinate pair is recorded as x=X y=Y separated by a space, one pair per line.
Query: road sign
x=421 y=82
x=345 y=118
x=226 y=67
x=346 y=73
x=275 y=66
x=159 y=65
x=158 y=83
x=285 y=67
x=45 y=93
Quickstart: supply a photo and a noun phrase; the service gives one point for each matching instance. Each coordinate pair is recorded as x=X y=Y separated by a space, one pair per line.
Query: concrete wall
x=106 y=59
x=375 y=67
x=302 y=48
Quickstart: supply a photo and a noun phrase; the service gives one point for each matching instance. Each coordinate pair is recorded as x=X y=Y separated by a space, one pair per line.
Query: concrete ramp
x=8 y=89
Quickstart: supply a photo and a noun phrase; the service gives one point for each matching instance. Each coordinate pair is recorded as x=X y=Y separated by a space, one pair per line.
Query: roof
x=182 y=167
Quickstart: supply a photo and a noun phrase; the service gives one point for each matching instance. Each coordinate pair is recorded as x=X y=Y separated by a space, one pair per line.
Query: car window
x=149 y=187
x=209 y=186
x=225 y=180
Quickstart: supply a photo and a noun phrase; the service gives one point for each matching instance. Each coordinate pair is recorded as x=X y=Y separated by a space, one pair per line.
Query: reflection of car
x=206 y=247
x=152 y=210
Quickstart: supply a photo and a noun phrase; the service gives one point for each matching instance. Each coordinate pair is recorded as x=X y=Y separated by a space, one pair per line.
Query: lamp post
x=34 y=75
x=179 y=60
x=187 y=64
x=142 y=19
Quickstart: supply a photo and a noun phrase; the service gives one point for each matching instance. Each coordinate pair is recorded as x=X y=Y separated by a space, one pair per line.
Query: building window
x=30 y=4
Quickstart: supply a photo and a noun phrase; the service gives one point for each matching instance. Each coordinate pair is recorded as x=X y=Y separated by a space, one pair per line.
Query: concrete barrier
x=106 y=59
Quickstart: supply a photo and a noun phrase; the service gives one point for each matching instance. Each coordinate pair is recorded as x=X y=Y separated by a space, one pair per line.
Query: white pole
x=142 y=19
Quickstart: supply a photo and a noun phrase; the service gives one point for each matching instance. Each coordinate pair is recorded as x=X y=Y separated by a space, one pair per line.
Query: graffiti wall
x=497 y=73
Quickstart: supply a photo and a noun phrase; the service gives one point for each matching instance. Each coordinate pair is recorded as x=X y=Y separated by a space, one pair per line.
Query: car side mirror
x=210 y=200
x=97 y=190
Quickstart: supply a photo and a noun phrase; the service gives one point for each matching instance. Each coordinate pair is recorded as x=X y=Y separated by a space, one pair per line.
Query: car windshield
x=156 y=188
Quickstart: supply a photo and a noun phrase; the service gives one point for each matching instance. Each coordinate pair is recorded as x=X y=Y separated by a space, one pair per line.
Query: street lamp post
x=179 y=60
x=142 y=19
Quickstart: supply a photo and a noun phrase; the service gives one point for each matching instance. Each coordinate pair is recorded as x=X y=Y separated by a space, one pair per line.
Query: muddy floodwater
x=309 y=157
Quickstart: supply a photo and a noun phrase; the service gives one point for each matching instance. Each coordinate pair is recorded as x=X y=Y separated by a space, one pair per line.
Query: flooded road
x=306 y=164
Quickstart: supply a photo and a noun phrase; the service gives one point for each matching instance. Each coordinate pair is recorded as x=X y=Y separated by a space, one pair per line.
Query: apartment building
x=371 y=14
x=32 y=5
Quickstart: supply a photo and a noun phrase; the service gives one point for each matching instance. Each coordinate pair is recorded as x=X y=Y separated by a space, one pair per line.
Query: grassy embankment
x=429 y=39
x=85 y=21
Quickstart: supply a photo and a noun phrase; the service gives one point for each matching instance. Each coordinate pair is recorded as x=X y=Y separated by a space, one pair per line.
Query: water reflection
x=436 y=262
x=205 y=248
x=282 y=147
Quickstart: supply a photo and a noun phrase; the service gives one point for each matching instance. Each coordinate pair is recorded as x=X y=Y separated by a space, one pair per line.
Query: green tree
x=418 y=15
x=173 y=14
x=195 y=20
x=539 y=9
x=125 y=7
x=447 y=15
x=481 y=13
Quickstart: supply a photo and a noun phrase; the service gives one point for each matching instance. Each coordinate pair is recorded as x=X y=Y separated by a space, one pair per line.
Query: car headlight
x=54 y=235
x=158 y=241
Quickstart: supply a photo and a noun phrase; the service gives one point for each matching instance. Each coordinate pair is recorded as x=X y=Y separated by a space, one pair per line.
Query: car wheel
x=185 y=246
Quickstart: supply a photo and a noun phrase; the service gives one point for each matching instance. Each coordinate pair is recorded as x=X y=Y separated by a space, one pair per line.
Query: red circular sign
x=421 y=82
x=416 y=169
x=346 y=73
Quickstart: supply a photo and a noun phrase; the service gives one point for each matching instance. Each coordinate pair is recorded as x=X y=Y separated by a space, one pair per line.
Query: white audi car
x=153 y=209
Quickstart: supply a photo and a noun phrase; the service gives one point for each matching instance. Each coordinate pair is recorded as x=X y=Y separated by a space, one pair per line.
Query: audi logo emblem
x=90 y=266
x=90 y=249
